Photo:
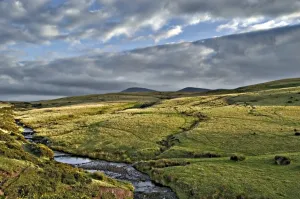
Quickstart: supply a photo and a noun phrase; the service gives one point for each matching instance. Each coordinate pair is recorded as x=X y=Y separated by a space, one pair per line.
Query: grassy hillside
x=28 y=171
x=138 y=99
x=186 y=141
x=284 y=83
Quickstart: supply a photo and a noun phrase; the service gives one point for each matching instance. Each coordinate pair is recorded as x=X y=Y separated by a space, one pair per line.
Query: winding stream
x=144 y=187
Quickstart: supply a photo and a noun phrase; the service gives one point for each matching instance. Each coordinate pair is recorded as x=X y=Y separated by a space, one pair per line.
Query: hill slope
x=283 y=83
x=137 y=90
x=193 y=89
x=27 y=170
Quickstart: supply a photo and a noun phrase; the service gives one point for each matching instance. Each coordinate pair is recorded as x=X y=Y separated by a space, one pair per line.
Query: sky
x=56 y=48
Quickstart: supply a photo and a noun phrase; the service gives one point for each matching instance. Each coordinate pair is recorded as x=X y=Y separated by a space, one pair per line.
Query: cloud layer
x=41 y=21
x=78 y=27
x=223 y=62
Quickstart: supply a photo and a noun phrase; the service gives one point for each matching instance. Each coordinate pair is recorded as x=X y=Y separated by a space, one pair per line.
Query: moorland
x=213 y=144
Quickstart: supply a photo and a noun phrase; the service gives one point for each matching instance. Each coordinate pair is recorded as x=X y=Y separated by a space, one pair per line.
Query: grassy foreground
x=28 y=171
x=185 y=141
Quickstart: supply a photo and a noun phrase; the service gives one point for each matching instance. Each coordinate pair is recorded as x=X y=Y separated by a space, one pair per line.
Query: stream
x=144 y=187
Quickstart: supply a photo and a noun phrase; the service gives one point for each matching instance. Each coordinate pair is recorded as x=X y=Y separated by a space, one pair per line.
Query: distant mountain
x=137 y=90
x=193 y=89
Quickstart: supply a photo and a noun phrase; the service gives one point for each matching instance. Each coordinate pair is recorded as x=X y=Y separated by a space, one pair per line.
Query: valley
x=183 y=140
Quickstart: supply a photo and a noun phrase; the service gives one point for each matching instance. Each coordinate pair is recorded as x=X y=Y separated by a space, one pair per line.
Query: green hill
x=284 y=83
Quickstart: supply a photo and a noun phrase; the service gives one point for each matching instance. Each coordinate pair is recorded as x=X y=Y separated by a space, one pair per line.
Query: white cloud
x=196 y=19
x=168 y=34
x=239 y=25
x=112 y=18
x=49 y=31
x=268 y=25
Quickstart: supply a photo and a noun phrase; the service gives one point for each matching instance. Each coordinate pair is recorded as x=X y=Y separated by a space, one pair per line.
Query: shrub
x=282 y=160
x=68 y=178
x=206 y=155
x=237 y=158
x=98 y=176
x=160 y=164
x=41 y=150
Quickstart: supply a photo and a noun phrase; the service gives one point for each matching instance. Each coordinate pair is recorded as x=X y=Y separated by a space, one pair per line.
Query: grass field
x=185 y=140
x=28 y=171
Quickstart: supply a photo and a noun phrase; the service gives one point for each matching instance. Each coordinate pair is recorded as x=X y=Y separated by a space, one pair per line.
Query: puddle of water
x=27 y=130
x=71 y=160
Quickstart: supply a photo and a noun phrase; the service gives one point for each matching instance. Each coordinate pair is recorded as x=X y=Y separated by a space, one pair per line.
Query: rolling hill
x=219 y=144
x=137 y=90
x=283 y=83
x=193 y=89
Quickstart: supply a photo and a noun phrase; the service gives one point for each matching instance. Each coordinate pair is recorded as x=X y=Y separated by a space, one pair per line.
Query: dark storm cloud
x=223 y=62
x=236 y=8
x=39 y=21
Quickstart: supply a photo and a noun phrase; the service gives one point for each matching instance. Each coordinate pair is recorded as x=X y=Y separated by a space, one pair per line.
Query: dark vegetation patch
x=172 y=140
x=205 y=155
x=162 y=163
x=237 y=158
x=40 y=150
x=167 y=143
x=297 y=133
x=145 y=105
x=41 y=140
x=282 y=160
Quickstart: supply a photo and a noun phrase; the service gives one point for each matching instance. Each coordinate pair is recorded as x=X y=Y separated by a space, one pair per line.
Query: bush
x=68 y=178
x=206 y=155
x=282 y=160
x=41 y=150
x=146 y=165
x=237 y=158
x=98 y=176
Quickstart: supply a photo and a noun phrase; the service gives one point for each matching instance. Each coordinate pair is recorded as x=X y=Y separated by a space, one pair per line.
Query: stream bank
x=144 y=187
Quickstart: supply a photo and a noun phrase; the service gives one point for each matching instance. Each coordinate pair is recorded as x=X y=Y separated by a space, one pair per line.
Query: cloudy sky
x=54 y=48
